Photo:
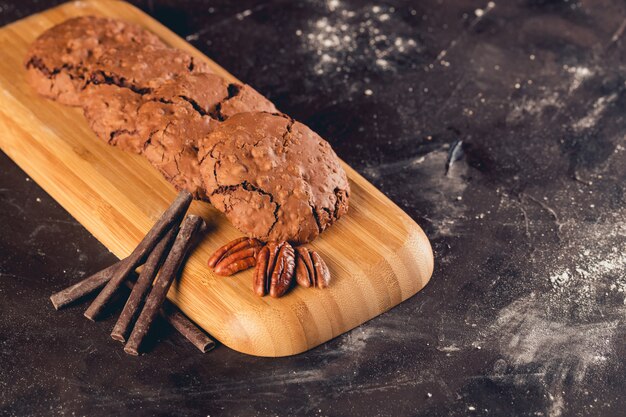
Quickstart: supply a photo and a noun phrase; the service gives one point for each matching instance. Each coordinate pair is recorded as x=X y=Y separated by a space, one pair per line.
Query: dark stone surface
x=525 y=313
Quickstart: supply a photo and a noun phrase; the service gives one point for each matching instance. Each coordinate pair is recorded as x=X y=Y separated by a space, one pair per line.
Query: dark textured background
x=525 y=314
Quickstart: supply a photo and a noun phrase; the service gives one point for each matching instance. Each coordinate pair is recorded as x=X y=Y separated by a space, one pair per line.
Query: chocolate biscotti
x=273 y=177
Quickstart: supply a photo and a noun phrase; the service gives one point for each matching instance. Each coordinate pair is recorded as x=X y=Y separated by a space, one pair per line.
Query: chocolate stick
x=168 y=272
x=84 y=287
x=142 y=287
x=168 y=219
x=169 y=312
x=186 y=327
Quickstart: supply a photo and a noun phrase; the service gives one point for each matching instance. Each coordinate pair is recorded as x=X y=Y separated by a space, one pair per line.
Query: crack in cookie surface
x=288 y=131
x=194 y=104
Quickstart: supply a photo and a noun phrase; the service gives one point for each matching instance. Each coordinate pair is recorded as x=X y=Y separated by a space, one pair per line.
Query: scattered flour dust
x=335 y=38
x=590 y=271
x=537 y=338
x=572 y=327
x=577 y=76
x=356 y=340
x=592 y=274
x=533 y=107
x=565 y=351
x=444 y=191
x=596 y=112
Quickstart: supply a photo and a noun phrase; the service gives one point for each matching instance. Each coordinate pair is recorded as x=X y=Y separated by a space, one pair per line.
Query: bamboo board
x=377 y=254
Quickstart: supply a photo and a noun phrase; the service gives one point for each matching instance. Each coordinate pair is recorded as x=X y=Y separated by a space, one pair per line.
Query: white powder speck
x=448 y=349
x=38 y=200
x=559 y=280
x=479 y=12
x=368 y=92
x=382 y=63
x=298 y=32
x=244 y=14
x=596 y=112
x=579 y=75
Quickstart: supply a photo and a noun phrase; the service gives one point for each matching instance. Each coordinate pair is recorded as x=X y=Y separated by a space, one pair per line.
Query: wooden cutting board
x=377 y=254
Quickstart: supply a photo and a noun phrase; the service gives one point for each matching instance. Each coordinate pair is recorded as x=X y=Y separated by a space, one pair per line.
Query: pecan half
x=311 y=270
x=274 y=269
x=235 y=256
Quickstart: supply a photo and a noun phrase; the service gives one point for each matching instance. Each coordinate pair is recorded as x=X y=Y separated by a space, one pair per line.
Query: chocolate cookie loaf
x=58 y=63
x=274 y=178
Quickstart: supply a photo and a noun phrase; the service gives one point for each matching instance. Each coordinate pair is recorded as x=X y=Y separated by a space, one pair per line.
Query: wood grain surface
x=378 y=255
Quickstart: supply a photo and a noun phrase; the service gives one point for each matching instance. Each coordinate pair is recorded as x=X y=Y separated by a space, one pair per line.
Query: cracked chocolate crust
x=167 y=123
x=111 y=112
x=59 y=61
x=143 y=68
x=274 y=178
